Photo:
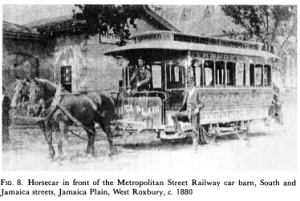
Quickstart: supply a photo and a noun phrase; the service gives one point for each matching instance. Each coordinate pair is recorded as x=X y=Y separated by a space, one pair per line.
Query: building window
x=66 y=78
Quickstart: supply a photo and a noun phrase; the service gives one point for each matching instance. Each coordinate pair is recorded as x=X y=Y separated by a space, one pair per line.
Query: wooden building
x=79 y=63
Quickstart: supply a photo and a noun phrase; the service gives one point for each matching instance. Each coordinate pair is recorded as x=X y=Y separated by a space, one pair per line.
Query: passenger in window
x=141 y=77
x=189 y=112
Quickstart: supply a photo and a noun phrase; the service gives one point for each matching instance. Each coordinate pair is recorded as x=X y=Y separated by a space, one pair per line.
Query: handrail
x=149 y=92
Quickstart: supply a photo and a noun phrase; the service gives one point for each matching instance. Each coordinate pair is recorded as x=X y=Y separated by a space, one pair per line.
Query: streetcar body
x=233 y=78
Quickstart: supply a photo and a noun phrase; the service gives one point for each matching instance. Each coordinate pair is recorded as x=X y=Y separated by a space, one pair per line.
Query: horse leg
x=64 y=137
x=59 y=141
x=90 y=150
x=107 y=129
x=48 y=137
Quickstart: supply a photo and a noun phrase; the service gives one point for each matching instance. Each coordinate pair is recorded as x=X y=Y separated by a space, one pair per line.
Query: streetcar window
x=208 y=73
x=197 y=72
x=220 y=73
x=267 y=75
x=240 y=74
x=175 y=75
x=252 y=71
x=258 y=75
x=231 y=74
x=156 y=76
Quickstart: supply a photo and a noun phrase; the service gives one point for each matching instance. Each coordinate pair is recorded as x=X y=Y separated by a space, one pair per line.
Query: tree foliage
x=262 y=23
x=103 y=18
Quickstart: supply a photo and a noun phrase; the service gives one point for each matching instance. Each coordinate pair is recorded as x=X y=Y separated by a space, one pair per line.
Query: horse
x=84 y=109
x=22 y=97
x=21 y=93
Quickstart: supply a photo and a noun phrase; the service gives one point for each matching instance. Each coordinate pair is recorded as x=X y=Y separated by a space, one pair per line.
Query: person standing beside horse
x=189 y=112
x=5 y=117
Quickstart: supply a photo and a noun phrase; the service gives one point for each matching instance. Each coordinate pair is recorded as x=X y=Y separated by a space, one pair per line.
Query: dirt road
x=268 y=149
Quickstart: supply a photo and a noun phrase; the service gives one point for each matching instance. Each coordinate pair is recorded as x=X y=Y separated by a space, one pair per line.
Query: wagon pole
x=78 y=135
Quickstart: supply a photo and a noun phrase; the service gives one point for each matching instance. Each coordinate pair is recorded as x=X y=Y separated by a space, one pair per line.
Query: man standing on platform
x=141 y=78
x=189 y=112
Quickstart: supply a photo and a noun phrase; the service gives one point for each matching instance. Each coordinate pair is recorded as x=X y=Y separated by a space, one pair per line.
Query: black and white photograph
x=149 y=87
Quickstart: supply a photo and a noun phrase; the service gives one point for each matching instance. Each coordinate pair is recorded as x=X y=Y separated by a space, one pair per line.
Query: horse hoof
x=52 y=156
x=110 y=154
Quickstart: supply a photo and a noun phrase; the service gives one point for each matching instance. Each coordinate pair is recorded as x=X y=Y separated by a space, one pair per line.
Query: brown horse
x=21 y=97
x=67 y=108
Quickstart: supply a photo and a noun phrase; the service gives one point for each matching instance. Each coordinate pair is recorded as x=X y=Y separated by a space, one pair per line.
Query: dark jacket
x=143 y=77
x=5 y=110
x=195 y=101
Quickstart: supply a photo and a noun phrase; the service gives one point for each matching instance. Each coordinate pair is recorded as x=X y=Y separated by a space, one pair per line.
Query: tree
x=263 y=23
x=103 y=18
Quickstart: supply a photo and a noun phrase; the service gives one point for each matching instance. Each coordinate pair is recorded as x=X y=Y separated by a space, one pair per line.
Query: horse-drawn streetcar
x=233 y=78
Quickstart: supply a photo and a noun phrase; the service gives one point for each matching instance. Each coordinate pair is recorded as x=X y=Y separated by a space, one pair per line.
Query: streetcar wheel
x=207 y=138
x=242 y=135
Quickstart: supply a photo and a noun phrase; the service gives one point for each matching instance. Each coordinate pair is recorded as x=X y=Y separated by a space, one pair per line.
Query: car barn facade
x=78 y=63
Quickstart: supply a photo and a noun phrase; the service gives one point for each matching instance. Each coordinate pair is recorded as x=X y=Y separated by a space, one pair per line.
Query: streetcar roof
x=168 y=40
x=192 y=35
x=185 y=46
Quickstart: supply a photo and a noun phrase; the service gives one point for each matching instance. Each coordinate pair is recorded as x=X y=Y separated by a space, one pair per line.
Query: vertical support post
x=214 y=74
x=188 y=65
x=247 y=72
x=254 y=74
x=235 y=73
x=202 y=73
x=263 y=76
x=225 y=72
x=271 y=76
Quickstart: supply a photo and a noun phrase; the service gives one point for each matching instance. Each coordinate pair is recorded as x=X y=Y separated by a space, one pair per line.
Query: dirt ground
x=271 y=148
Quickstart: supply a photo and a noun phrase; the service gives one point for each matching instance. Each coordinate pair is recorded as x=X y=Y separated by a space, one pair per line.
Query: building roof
x=15 y=31
x=48 y=21
x=160 y=19
x=206 y=20
x=7 y=26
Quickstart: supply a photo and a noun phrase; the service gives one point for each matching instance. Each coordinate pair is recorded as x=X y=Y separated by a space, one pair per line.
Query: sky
x=25 y=13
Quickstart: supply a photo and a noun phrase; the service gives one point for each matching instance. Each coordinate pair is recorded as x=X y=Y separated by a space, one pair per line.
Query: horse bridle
x=23 y=92
x=37 y=91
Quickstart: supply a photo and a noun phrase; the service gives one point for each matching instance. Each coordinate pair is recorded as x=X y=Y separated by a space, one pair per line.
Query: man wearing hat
x=189 y=112
x=5 y=117
x=141 y=77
